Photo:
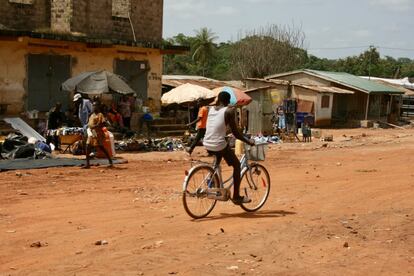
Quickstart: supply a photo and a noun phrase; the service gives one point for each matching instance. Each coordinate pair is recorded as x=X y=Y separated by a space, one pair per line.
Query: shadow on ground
x=252 y=215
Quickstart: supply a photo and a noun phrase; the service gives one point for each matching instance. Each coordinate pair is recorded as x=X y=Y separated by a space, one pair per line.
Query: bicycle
x=255 y=184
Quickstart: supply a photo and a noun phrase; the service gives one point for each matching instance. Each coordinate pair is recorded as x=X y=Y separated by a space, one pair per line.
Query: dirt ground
x=339 y=208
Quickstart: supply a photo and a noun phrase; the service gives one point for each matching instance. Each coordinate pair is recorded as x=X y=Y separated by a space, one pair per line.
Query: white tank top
x=214 y=139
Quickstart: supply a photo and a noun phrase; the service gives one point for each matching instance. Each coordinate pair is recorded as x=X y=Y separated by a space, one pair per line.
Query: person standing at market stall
x=55 y=120
x=84 y=107
x=125 y=110
x=201 y=122
x=96 y=135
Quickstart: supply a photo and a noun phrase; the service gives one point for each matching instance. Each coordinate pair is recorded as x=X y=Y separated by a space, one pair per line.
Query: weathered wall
x=61 y=15
x=147 y=16
x=25 y=15
x=12 y=76
x=13 y=70
x=323 y=116
x=109 y=19
x=94 y=18
x=102 y=19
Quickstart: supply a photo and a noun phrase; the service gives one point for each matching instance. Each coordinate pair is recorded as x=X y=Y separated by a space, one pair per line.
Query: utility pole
x=369 y=61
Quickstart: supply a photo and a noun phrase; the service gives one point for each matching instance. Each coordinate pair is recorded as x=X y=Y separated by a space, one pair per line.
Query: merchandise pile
x=159 y=144
x=17 y=146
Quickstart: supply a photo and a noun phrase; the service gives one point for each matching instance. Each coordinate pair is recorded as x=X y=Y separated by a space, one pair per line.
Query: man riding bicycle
x=219 y=118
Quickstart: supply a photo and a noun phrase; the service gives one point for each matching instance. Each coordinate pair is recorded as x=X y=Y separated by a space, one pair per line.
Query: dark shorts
x=228 y=154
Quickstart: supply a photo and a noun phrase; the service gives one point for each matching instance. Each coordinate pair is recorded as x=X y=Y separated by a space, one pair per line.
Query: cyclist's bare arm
x=230 y=119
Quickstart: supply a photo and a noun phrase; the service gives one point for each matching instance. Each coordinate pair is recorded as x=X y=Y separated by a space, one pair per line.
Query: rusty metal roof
x=177 y=80
x=258 y=88
x=325 y=89
x=407 y=92
x=345 y=79
x=275 y=81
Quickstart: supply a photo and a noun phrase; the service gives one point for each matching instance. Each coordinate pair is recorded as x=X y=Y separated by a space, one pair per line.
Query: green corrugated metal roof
x=356 y=82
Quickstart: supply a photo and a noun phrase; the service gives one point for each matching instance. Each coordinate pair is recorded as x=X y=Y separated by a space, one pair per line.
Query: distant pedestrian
x=125 y=110
x=84 y=107
x=55 y=120
x=201 y=122
x=146 y=119
x=96 y=135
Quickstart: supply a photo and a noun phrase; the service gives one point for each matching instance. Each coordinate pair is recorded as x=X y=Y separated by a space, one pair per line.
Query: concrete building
x=44 y=42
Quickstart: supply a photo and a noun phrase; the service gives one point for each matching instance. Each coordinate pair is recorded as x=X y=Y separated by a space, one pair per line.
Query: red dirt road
x=344 y=209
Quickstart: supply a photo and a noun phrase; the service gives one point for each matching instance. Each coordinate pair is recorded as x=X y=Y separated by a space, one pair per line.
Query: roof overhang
x=77 y=37
x=325 y=89
x=174 y=50
x=257 y=89
x=273 y=81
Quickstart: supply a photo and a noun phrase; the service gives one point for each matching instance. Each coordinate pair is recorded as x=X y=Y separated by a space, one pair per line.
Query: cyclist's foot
x=241 y=200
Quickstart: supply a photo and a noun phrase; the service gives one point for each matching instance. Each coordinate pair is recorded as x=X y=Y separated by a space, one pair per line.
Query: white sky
x=326 y=23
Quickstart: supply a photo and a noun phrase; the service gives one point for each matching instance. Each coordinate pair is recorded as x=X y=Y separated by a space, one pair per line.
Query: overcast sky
x=326 y=23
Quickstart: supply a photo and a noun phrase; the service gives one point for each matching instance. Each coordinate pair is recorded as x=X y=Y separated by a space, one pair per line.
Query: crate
x=70 y=139
x=256 y=152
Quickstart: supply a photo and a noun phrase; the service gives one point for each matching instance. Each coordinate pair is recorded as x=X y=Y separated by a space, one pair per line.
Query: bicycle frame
x=244 y=165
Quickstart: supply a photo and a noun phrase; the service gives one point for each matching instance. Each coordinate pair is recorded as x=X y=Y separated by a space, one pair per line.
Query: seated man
x=115 y=118
x=219 y=118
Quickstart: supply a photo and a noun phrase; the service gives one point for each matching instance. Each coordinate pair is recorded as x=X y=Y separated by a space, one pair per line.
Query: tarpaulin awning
x=96 y=83
x=237 y=96
x=305 y=106
x=20 y=125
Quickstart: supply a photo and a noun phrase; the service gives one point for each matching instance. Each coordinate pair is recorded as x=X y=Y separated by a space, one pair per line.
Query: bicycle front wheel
x=256 y=186
x=195 y=200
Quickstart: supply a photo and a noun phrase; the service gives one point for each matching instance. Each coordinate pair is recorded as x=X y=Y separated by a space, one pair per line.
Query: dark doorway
x=45 y=76
x=136 y=75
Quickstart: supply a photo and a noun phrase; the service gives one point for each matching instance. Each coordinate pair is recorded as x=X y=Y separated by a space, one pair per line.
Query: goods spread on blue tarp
x=24 y=164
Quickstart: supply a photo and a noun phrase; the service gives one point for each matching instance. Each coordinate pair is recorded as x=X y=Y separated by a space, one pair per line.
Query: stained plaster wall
x=322 y=115
x=13 y=72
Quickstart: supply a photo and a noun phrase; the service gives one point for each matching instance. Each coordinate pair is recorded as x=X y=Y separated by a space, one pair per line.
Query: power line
x=361 y=47
x=340 y=48
x=399 y=49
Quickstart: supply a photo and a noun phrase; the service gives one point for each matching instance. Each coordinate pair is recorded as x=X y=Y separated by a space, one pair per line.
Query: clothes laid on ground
x=65 y=131
x=17 y=146
x=25 y=164
x=144 y=145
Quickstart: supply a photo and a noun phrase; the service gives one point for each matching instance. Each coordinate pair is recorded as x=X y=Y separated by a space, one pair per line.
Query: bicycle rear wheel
x=195 y=200
x=256 y=186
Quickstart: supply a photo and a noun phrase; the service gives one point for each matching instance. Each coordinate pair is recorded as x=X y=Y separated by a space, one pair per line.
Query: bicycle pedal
x=218 y=194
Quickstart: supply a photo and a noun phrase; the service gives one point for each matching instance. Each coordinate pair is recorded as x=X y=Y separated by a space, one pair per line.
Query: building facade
x=45 y=42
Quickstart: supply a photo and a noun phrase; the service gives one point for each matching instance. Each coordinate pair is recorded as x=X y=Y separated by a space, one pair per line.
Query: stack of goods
x=65 y=131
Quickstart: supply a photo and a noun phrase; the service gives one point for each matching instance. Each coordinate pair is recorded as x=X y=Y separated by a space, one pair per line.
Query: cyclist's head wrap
x=224 y=98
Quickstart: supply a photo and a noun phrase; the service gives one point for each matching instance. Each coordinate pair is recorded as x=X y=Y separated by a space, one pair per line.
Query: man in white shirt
x=219 y=118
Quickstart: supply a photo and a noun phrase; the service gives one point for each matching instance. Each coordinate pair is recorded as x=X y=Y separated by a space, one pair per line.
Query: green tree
x=268 y=50
x=204 y=47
